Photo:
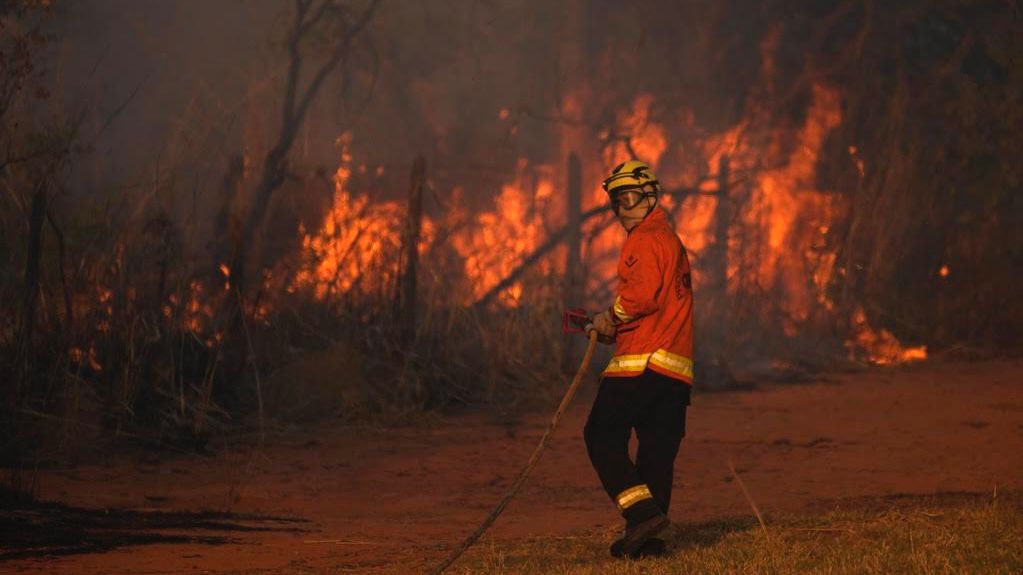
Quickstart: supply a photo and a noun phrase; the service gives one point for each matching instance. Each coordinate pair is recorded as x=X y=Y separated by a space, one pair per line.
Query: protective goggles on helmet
x=628 y=198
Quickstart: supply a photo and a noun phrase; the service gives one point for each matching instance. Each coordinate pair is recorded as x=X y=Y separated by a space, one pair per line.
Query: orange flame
x=501 y=238
x=784 y=212
x=357 y=245
x=880 y=347
x=783 y=216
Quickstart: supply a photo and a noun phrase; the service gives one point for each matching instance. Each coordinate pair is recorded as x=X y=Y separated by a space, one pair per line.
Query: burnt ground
x=394 y=500
x=44 y=529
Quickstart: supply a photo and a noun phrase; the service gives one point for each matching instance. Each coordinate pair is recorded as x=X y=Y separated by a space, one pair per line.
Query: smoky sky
x=168 y=91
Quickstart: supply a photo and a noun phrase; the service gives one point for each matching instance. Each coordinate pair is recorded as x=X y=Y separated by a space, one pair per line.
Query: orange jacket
x=654 y=307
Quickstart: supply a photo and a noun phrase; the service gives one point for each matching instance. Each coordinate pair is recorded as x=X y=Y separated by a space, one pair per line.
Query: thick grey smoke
x=174 y=88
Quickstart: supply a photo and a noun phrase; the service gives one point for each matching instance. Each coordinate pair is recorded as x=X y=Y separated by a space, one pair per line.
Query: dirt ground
x=393 y=500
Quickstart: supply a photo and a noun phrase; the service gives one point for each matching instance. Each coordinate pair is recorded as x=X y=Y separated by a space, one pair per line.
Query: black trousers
x=654 y=406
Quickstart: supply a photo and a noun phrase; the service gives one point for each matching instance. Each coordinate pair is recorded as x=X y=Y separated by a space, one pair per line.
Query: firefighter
x=646 y=385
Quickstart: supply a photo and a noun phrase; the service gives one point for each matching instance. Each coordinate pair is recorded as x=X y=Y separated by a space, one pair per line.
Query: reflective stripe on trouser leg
x=632 y=496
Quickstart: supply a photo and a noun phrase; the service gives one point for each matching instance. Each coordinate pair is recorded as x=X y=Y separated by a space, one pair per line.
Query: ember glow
x=880 y=346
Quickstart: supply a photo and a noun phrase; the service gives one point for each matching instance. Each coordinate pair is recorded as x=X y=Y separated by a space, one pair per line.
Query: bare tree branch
x=556 y=238
x=293 y=113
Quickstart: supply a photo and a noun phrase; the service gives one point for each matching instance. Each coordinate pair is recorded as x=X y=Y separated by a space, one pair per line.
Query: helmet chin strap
x=653 y=195
x=648 y=210
x=652 y=206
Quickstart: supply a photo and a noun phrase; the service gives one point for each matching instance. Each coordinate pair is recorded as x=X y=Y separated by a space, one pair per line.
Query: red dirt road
x=391 y=501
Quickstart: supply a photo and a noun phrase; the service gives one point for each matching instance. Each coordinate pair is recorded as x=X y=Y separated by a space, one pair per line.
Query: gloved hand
x=605 y=326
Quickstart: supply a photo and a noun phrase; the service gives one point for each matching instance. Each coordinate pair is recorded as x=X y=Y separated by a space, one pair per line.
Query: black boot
x=644 y=520
x=653 y=547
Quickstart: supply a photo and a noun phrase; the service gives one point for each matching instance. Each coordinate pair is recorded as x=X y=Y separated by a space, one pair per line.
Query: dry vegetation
x=952 y=534
x=123 y=318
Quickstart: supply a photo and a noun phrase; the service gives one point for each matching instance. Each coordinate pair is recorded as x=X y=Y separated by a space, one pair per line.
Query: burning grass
x=953 y=534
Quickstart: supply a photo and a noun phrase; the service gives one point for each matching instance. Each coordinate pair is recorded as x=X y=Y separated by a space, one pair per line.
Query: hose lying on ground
x=533 y=459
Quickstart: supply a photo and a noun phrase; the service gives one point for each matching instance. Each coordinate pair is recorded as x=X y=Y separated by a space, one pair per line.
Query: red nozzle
x=575 y=320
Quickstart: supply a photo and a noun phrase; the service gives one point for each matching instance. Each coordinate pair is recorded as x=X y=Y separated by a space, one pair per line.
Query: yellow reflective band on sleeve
x=627 y=363
x=673 y=362
x=619 y=311
x=632 y=496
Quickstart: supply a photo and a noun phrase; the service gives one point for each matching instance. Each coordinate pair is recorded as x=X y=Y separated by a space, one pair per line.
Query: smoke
x=176 y=88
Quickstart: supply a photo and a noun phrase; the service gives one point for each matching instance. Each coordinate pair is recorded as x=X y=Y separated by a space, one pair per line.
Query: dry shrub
x=326 y=383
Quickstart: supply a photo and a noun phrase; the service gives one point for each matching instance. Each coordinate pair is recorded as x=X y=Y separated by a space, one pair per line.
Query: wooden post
x=574 y=277
x=410 y=248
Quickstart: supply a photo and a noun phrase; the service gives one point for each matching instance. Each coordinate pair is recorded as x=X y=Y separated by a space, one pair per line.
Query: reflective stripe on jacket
x=654 y=306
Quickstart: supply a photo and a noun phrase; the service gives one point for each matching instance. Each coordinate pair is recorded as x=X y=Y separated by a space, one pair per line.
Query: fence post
x=410 y=248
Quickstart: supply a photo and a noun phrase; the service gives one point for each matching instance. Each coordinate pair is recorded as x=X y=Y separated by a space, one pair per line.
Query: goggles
x=629 y=198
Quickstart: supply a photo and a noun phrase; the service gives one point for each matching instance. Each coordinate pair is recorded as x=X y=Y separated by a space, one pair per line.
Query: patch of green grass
x=958 y=533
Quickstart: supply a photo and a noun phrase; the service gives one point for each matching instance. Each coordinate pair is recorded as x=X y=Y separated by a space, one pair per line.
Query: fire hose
x=583 y=323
